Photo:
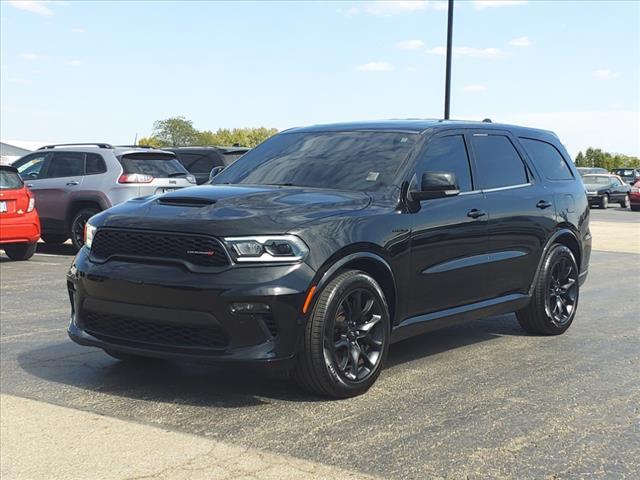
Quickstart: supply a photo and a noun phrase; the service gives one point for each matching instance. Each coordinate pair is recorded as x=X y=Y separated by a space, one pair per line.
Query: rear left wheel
x=20 y=251
x=346 y=338
x=77 y=226
x=626 y=202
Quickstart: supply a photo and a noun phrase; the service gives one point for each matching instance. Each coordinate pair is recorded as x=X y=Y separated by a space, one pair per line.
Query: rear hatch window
x=156 y=165
x=10 y=180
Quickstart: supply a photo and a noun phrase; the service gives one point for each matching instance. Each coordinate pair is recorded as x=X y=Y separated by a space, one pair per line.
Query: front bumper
x=20 y=229
x=162 y=310
x=594 y=199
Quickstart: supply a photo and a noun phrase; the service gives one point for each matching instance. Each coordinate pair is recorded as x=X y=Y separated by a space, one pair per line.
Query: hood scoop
x=186 y=201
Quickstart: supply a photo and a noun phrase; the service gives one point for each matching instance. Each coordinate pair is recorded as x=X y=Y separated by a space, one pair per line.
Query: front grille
x=118 y=329
x=195 y=249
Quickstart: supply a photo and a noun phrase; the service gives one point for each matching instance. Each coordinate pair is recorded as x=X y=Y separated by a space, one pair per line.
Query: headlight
x=273 y=248
x=89 y=233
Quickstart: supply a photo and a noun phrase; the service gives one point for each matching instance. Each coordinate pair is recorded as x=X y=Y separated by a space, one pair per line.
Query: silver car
x=73 y=182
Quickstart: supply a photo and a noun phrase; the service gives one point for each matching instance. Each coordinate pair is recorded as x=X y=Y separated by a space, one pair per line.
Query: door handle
x=475 y=213
x=543 y=204
x=72 y=184
x=29 y=185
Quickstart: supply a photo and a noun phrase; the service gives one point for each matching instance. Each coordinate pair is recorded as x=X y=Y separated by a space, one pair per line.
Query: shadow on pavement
x=63 y=249
x=226 y=387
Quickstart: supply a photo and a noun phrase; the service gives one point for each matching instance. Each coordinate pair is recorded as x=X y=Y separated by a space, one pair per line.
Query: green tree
x=151 y=142
x=175 y=132
x=245 y=137
x=580 y=161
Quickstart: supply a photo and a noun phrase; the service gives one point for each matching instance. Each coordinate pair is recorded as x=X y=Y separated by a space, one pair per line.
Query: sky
x=105 y=71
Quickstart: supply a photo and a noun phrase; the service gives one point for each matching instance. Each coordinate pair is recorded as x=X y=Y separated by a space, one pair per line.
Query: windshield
x=156 y=165
x=9 y=180
x=597 y=180
x=364 y=161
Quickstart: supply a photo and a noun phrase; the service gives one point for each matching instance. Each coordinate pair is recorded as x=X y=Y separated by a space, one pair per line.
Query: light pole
x=447 y=87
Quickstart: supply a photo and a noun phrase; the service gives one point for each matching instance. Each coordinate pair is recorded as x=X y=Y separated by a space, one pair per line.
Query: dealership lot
x=477 y=400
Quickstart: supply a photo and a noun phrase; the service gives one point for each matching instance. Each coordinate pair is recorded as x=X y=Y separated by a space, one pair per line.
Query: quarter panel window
x=95 y=164
x=66 y=164
x=498 y=162
x=548 y=159
x=447 y=154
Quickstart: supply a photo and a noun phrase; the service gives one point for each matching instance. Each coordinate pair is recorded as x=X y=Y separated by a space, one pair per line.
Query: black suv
x=323 y=245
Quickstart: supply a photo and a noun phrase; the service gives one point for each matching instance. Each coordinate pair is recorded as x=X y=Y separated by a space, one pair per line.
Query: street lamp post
x=447 y=88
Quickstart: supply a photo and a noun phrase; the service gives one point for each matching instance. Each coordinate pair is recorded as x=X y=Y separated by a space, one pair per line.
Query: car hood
x=228 y=210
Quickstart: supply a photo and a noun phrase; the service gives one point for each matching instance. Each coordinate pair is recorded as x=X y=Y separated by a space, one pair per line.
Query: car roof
x=96 y=149
x=415 y=126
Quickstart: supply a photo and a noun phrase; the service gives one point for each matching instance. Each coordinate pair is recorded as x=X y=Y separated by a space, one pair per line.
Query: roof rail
x=99 y=145
x=136 y=146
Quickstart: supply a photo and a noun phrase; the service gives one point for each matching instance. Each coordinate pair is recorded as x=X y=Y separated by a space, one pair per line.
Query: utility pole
x=447 y=87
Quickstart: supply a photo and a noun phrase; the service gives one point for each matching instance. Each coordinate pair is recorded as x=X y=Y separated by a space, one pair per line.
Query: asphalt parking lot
x=480 y=400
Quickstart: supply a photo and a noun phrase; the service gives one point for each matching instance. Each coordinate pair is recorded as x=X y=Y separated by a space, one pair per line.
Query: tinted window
x=30 y=166
x=596 y=180
x=616 y=182
x=548 y=159
x=498 y=162
x=65 y=164
x=364 y=161
x=156 y=165
x=95 y=164
x=9 y=180
x=447 y=154
x=199 y=162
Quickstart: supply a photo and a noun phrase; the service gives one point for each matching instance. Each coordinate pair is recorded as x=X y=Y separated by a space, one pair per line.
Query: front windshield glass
x=364 y=161
x=597 y=180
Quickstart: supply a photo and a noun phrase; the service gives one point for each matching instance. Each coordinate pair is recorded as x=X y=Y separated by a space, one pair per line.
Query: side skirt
x=432 y=321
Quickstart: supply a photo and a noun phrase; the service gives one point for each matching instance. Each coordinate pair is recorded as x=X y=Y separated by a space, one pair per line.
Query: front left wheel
x=346 y=338
x=626 y=203
x=77 y=226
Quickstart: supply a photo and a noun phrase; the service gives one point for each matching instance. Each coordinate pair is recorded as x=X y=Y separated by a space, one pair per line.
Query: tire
x=544 y=315
x=334 y=337
x=626 y=202
x=128 y=357
x=19 y=251
x=53 y=239
x=77 y=226
x=604 y=203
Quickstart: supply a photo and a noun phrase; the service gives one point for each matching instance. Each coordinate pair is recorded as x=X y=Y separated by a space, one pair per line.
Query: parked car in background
x=605 y=189
x=19 y=223
x=590 y=170
x=634 y=197
x=201 y=160
x=323 y=245
x=628 y=175
x=71 y=183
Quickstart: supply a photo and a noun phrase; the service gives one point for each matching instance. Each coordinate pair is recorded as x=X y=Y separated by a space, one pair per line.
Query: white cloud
x=78 y=30
x=388 y=8
x=73 y=63
x=29 y=56
x=521 y=42
x=605 y=74
x=32 y=6
x=410 y=44
x=375 y=67
x=474 y=88
x=482 y=4
x=490 y=53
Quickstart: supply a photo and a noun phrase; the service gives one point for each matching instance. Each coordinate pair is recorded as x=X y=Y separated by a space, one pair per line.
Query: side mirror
x=436 y=185
x=215 y=171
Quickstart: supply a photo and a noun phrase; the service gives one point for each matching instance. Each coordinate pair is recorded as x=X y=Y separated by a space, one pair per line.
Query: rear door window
x=498 y=162
x=154 y=164
x=9 y=180
x=548 y=159
x=95 y=164
x=65 y=164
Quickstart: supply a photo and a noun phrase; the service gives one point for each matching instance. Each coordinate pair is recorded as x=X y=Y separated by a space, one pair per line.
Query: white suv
x=73 y=182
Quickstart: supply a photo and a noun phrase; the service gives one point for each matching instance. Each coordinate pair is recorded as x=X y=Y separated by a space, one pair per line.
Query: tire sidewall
x=558 y=251
x=343 y=386
x=76 y=218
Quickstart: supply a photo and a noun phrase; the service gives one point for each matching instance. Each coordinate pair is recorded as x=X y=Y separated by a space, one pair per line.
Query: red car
x=19 y=222
x=634 y=197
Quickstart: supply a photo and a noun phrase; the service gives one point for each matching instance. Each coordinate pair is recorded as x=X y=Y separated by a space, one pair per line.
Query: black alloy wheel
x=346 y=338
x=77 y=226
x=355 y=337
x=563 y=292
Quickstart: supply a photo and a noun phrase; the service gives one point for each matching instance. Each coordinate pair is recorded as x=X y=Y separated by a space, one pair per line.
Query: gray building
x=9 y=153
